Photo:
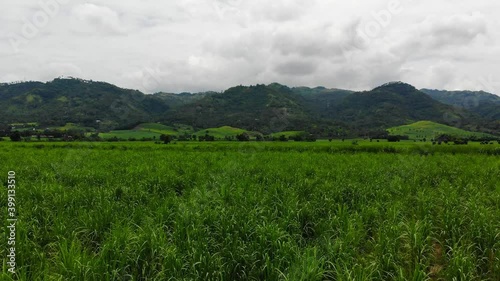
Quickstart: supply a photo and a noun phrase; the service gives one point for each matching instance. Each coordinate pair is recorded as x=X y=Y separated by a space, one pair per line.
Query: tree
x=95 y=137
x=15 y=136
x=311 y=138
x=243 y=137
x=393 y=139
x=206 y=138
x=165 y=138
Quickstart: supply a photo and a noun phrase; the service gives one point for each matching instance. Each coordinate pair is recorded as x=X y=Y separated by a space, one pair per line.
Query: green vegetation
x=431 y=130
x=29 y=124
x=485 y=104
x=259 y=108
x=222 y=132
x=75 y=127
x=234 y=211
x=287 y=134
x=175 y=130
x=149 y=131
x=82 y=102
x=128 y=134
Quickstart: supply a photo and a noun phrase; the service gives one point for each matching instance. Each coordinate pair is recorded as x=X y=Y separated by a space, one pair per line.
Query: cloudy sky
x=199 y=45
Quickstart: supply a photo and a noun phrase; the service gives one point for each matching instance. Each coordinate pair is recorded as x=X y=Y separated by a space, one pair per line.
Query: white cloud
x=97 y=19
x=196 y=45
x=454 y=30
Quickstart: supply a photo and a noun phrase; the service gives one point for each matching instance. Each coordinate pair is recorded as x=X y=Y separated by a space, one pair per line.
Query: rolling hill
x=254 y=108
x=430 y=130
x=395 y=104
x=82 y=102
x=221 y=132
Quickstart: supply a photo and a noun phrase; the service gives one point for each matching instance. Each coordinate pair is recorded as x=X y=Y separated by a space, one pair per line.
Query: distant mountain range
x=485 y=104
x=264 y=108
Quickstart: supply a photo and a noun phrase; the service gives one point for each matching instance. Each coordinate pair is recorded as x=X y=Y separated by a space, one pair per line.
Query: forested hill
x=263 y=108
x=76 y=101
x=400 y=103
x=485 y=104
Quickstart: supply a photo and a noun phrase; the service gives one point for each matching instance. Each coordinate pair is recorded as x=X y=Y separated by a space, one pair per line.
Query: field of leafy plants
x=253 y=211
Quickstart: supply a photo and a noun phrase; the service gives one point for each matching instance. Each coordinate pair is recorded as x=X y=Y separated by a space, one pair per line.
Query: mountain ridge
x=265 y=108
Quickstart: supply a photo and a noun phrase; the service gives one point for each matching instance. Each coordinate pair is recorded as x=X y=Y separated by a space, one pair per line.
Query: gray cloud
x=296 y=67
x=456 y=30
x=195 y=45
x=96 y=18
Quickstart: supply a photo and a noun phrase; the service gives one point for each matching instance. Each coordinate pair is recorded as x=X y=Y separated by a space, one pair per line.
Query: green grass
x=429 y=130
x=255 y=211
x=287 y=134
x=149 y=130
x=225 y=131
x=72 y=126
x=126 y=134
x=175 y=130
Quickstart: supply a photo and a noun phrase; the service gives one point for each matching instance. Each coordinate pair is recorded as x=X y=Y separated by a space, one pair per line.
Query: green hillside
x=77 y=101
x=394 y=104
x=73 y=126
x=177 y=129
x=222 y=132
x=127 y=134
x=287 y=134
x=428 y=129
x=260 y=108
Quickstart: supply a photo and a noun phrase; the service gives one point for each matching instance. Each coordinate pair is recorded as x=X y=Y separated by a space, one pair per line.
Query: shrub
x=15 y=136
x=393 y=139
x=113 y=139
x=461 y=142
x=311 y=138
x=243 y=137
x=166 y=139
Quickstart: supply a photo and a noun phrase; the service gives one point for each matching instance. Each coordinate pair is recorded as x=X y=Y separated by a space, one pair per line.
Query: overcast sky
x=199 y=45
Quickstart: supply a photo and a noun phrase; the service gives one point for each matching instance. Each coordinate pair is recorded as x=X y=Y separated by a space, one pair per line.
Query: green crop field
x=429 y=130
x=253 y=211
